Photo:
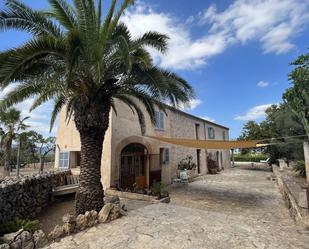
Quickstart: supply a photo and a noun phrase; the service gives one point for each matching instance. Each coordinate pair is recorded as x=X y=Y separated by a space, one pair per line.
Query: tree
x=12 y=123
x=280 y=124
x=46 y=145
x=297 y=97
x=85 y=63
x=27 y=148
x=251 y=131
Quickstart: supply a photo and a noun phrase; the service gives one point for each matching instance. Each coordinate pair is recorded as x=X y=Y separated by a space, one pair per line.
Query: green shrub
x=300 y=168
x=250 y=157
x=15 y=225
x=187 y=163
x=159 y=189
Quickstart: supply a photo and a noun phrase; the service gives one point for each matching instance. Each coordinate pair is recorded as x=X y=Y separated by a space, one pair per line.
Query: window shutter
x=211 y=133
x=166 y=156
x=162 y=120
x=159 y=120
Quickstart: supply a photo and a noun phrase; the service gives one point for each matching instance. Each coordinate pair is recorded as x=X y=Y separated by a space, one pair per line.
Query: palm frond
x=99 y=15
x=152 y=39
x=105 y=30
x=125 y=4
x=19 y=94
x=147 y=101
x=70 y=109
x=125 y=53
x=74 y=55
x=18 y=61
x=135 y=108
x=19 y=16
x=59 y=103
x=63 y=13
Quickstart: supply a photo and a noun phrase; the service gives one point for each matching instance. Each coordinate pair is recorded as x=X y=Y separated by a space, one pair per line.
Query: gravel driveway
x=238 y=208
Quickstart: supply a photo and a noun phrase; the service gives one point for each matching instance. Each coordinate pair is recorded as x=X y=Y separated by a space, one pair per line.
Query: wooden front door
x=133 y=171
x=127 y=172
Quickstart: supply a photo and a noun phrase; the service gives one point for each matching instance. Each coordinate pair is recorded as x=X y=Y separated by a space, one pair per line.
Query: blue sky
x=236 y=54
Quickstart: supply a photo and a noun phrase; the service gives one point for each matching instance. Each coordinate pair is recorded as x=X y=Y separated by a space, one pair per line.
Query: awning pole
x=233 y=162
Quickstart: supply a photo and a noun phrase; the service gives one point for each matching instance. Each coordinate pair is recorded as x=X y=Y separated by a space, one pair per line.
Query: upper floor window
x=159 y=120
x=223 y=135
x=211 y=133
x=197 y=131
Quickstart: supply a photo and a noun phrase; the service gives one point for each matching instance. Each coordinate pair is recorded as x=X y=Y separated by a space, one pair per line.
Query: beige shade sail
x=207 y=144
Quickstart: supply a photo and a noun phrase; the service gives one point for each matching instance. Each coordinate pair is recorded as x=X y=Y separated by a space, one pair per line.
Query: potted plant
x=187 y=165
x=213 y=167
x=159 y=190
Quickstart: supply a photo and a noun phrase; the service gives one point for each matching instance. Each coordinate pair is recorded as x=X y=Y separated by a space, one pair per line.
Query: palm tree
x=12 y=123
x=84 y=62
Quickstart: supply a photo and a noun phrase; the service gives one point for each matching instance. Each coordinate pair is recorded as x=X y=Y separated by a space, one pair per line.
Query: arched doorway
x=133 y=166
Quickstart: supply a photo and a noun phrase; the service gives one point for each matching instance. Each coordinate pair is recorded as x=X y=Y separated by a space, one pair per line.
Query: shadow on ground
x=235 y=189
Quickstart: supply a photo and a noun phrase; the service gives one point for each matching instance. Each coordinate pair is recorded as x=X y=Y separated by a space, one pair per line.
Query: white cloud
x=263 y=83
x=273 y=23
x=184 y=51
x=191 y=105
x=254 y=113
x=190 y=20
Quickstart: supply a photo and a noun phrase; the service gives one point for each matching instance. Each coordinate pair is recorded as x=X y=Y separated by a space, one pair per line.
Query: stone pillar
x=233 y=162
x=306 y=154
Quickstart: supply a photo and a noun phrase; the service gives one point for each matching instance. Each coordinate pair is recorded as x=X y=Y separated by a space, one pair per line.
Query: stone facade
x=25 y=197
x=124 y=129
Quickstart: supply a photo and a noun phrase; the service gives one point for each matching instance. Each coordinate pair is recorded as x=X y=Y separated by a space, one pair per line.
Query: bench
x=72 y=184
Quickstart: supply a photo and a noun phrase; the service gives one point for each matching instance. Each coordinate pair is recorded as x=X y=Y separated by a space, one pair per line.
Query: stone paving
x=235 y=209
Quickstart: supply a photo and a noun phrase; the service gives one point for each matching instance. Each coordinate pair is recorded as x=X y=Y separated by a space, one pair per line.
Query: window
x=164 y=155
x=64 y=160
x=159 y=120
x=197 y=129
x=211 y=133
x=223 y=135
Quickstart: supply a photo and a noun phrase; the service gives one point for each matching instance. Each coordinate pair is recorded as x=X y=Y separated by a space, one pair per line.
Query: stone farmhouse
x=129 y=157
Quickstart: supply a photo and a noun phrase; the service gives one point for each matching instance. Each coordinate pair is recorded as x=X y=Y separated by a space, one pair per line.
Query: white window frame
x=159 y=125
x=62 y=160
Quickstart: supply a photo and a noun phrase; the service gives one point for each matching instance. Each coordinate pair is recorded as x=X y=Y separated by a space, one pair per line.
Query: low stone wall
x=22 y=239
x=297 y=212
x=26 y=196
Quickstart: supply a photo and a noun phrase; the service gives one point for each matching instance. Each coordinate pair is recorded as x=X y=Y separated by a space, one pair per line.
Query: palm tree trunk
x=7 y=158
x=41 y=169
x=91 y=120
x=90 y=194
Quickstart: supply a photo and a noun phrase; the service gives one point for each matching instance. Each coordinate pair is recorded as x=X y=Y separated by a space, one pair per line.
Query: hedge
x=250 y=157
